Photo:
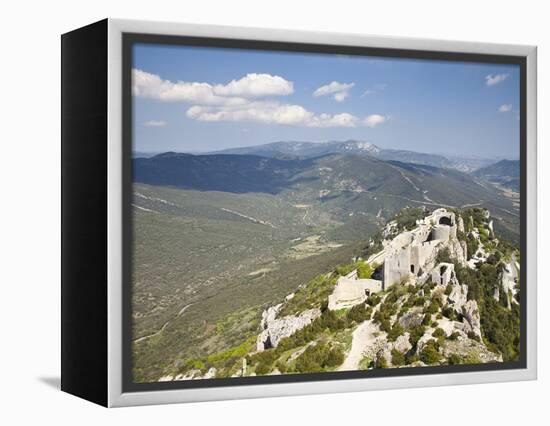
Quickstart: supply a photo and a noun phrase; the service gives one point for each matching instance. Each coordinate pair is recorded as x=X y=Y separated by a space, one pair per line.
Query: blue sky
x=192 y=99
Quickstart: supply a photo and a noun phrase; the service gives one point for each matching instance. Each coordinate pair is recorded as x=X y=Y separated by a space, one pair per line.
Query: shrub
x=359 y=313
x=281 y=366
x=381 y=363
x=263 y=368
x=407 y=217
x=433 y=307
x=364 y=270
x=195 y=364
x=334 y=358
x=383 y=320
x=373 y=299
x=444 y=256
x=454 y=359
x=411 y=358
x=448 y=289
x=319 y=357
x=419 y=301
x=438 y=332
x=395 y=332
x=473 y=336
x=397 y=357
x=430 y=353
x=454 y=335
x=427 y=320
x=415 y=334
x=449 y=312
x=345 y=269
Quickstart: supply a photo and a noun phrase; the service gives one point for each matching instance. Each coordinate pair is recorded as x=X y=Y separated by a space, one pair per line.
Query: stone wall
x=350 y=291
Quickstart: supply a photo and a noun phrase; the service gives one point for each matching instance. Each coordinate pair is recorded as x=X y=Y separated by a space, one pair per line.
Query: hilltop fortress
x=409 y=254
x=425 y=312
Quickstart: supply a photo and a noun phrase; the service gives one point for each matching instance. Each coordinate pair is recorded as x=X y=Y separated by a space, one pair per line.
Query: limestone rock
x=276 y=329
x=470 y=310
x=189 y=375
x=269 y=315
x=211 y=373
x=411 y=319
x=458 y=296
x=402 y=343
x=470 y=350
x=460 y=223
x=424 y=339
x=456 y=250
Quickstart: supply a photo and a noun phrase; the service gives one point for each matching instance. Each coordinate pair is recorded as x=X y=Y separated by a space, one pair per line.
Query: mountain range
x=292 y=149
x=340 y=185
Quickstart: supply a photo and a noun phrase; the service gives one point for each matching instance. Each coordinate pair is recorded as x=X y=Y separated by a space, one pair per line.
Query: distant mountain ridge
x=505 y=173
x=325 y=178
x=286 y=149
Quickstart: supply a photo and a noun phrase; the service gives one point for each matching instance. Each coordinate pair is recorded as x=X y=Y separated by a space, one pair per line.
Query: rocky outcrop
x=470 y=310
x=456 y=250
x=469 y=350
x=458 y=296
x=194 y=374
x=211 y=373
x=402 y=343
x=275 y=329
x=460 y=224
x=411 y=319
x=411 y=259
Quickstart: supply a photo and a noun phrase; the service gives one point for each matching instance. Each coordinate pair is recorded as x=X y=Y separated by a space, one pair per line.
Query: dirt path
x=363 y=337
x=182 y=310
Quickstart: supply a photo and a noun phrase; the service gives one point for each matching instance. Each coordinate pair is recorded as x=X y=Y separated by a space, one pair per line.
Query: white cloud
x=263 y=112
x=340 y=91
x=151 y=86
x=276 y=113
x=340 y=96
x=147 y=85
x=256 y=85
x=155 y=123
x=493 y=79
x=238 y=101
x=337 y=120
x=505 y=108
x=374 y=120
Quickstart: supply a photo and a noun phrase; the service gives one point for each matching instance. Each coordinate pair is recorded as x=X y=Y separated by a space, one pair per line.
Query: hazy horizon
x=197 y=152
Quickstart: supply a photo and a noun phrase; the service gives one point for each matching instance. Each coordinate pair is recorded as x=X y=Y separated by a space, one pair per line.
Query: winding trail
x=363 y=337
x=250 y=218
x=160 y=330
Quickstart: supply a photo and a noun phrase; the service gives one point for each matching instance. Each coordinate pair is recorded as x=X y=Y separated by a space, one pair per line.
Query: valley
x=219 y=238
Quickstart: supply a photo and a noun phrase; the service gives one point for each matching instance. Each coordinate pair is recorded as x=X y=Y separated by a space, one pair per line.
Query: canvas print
x=298 y=213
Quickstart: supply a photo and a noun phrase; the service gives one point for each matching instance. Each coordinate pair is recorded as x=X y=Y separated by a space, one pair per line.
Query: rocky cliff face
x=430 y=318
x=275 y=329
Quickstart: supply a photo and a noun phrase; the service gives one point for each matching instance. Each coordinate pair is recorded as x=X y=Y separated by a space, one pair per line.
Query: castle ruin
x=411 y=253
